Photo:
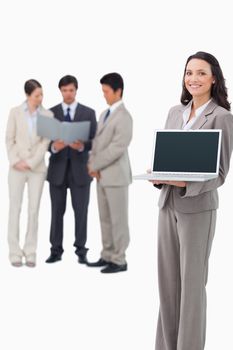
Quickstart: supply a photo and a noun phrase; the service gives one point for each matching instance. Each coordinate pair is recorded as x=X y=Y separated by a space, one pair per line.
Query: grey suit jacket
x=109 y=154
x=201 y=196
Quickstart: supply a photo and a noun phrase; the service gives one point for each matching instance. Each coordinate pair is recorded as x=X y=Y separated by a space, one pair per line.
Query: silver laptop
x=185 y=155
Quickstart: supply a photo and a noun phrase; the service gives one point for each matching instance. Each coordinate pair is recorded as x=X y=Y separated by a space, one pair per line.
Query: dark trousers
x=80 y=200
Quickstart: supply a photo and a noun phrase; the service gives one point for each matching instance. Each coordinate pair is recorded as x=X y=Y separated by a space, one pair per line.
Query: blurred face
x=68 y=93
x=36 y=97
x=199 y=79
x=110 y=95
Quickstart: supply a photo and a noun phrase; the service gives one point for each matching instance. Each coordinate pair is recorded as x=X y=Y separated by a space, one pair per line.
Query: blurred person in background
x=26 y=153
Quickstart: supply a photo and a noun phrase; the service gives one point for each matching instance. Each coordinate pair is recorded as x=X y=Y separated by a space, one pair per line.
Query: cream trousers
x=17 y=181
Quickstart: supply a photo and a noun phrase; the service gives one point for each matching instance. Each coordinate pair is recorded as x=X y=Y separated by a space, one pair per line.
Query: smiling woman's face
x=199 y=79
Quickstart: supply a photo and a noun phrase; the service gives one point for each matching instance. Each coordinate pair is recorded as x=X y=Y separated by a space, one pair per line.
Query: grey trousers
x=184 y=244
x=113 y=212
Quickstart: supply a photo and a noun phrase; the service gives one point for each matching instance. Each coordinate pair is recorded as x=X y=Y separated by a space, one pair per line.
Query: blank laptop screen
x=187 y=151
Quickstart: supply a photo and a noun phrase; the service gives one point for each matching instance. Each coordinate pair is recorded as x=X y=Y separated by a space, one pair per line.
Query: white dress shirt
x=72 y=108
x=31 y=118
x=187 y=124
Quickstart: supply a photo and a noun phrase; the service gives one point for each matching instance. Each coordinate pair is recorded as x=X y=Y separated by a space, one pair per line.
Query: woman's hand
x=173 y=183
x=21 y=166
x=164 y=182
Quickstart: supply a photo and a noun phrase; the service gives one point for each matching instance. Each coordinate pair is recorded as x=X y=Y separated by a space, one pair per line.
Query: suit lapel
x=204 y=116
x=200 y=122
x=59 y=113
x=78 y=113
x=102 y=124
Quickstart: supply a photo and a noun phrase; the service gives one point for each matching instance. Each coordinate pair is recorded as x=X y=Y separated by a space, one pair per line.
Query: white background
x=66 y=305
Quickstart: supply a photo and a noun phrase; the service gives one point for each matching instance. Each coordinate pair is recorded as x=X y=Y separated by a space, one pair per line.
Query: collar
x=115 y=105
x=26 y=109
x=198 y=110
x=72 y=106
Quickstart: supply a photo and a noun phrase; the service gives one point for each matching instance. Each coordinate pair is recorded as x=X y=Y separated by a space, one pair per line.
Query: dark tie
x=106 y=115
x=67 y=116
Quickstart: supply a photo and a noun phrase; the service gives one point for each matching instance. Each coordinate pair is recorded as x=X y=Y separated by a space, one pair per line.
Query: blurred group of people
x=71 y=166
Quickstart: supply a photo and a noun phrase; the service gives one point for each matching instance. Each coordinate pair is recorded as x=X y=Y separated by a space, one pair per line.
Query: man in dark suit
x=68 y=169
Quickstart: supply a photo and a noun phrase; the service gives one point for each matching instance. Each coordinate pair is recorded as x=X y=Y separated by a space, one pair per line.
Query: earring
x=213 y=82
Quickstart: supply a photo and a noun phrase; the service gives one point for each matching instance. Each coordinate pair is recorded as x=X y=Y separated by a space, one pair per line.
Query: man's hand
x=95 y=174
x=58 y=145
x=77 y=145
x=92 y=173
x=22 y=166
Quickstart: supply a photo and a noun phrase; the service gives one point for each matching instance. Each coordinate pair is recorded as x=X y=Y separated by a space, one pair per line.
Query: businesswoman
x=26 y=153
x=187 y=213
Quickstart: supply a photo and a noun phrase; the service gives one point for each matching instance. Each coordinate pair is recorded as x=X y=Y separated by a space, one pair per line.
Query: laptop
x=185 y=155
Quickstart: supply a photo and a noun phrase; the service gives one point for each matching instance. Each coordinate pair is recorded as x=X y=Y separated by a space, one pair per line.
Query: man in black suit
x=68 y=169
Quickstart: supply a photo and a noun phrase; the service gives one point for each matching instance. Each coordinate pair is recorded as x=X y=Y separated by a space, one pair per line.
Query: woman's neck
x=31 y=107
x=198 y=102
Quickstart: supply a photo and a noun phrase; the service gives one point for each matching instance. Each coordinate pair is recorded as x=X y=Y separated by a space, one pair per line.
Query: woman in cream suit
x=26 y=157
x=187 y=213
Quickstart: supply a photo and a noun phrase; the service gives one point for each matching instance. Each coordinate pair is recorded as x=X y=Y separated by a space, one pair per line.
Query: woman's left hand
x=161 y=182
x=171 y=183
x=176 y=183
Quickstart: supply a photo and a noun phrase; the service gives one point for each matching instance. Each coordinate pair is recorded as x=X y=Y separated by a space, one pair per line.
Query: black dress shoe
x=101 y=262
x=53 y=258
x=82 y=259
x=112 y=268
